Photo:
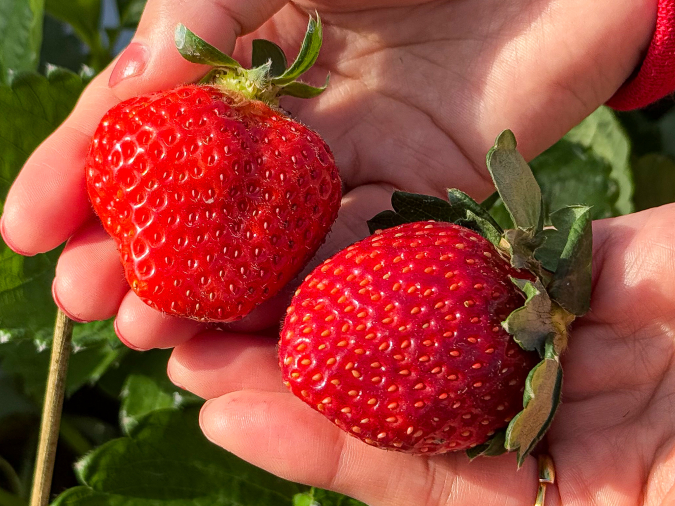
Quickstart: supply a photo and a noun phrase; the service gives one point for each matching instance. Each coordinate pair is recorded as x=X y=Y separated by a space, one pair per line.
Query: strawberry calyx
x=555 y=249
x=270 y=76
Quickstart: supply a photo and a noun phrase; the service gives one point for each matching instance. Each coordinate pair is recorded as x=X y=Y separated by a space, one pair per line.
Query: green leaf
x=309 y=52
x=384 y=220
x=303 y=90
x=320 y=497
x=571 y=174
x=61 y=47
x=460 y=199
x=540 y=400
x=146 y=387
x=95 y=350
x=413 y=207
x=32 y=107
x=82 y=15
x=603 y=135
x=515 y=182
x=481 y=226
x=143 y=395
x=556 y=238
x=572 y=282
x=522 y=245
x=166 y=460
x=21 y=29
x=460 y=209
x=532 y=324
x=493 y=448
x=27 y=310
x=130 y=12
x=197 y=50
x=588 y=166
x=264 y=51
x=654 y=176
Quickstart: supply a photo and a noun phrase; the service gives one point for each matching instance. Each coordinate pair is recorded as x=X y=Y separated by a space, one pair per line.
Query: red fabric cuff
x=656 y=77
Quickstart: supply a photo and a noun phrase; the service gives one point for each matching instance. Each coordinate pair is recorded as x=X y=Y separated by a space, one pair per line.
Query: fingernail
x=3 y=233
x=124 y=341
x=58 y=303
x=131 y=63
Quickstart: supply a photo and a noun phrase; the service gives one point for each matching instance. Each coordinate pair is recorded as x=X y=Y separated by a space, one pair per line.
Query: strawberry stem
x=269 y=78
x=51 y=412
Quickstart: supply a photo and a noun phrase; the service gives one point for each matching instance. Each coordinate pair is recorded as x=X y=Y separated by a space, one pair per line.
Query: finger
x=89 y=283
x=298 y=444
x=216 y=363
x=35 y=219
x=142 y=328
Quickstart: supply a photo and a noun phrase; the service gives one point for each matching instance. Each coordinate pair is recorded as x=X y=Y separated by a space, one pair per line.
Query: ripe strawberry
x=398 y=339
x=214 y=196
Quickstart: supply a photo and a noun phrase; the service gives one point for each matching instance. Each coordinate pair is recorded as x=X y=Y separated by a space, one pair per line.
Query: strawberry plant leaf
x=144 y=394
x=556 y=238
x=195 y=49
x=540 y=400
x=309 y=52
x=144 y=387
x=95 y=350
x=82 y=15
x=320 y=497
x=21 y=29
x=603 y=134
x=572 y=174
x=515 y=182
x=532 y=324
x=571 y=285
x=32 y=107
x=166 y=460
x=493 y=448
x=130 y=12
x=266 y=50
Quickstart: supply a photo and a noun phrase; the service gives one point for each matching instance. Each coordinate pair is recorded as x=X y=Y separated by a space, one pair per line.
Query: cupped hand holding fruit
x=462 y=72
x=418 y=92
x=611 y=440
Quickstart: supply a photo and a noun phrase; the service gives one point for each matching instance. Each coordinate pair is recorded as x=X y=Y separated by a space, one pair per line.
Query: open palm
x=612 y=441
x=418 y=92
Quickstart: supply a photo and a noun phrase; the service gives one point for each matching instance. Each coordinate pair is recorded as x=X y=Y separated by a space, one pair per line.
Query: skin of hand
x=612 y=441
x=419 y=90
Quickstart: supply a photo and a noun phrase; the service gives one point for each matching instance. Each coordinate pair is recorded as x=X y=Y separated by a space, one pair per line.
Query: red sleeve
x=656 y=76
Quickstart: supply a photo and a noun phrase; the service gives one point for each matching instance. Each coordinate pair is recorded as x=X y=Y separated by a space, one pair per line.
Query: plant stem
x=51 y=412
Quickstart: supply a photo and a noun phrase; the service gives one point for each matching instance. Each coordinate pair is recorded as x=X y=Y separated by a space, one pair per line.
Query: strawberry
x=398 y=339
x=435 y=336
x=213 y=195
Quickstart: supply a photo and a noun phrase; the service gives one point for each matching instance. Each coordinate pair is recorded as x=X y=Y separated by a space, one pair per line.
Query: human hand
x=419 y=91
x=611 y=441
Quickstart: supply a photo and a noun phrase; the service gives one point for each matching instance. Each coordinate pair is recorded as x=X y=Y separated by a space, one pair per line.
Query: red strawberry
x=215 y=199
x=398 y=339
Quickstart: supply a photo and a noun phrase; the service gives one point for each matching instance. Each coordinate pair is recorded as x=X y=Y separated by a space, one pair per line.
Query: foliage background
x=128 y=435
